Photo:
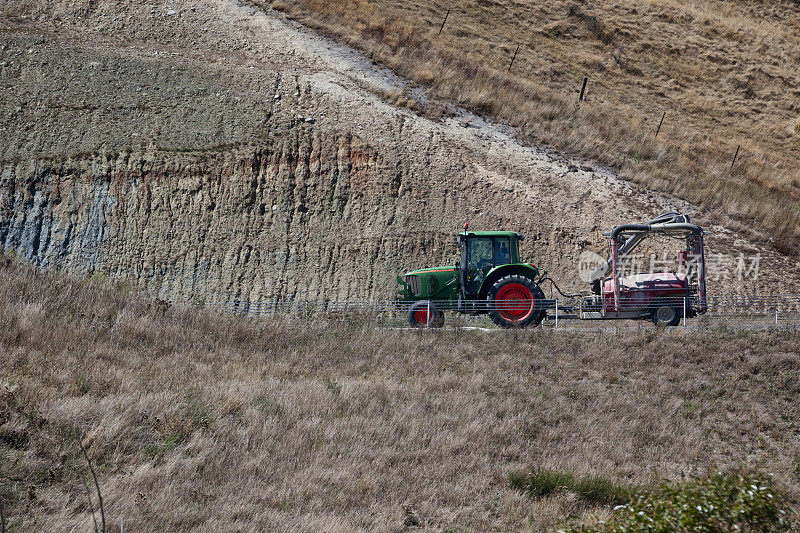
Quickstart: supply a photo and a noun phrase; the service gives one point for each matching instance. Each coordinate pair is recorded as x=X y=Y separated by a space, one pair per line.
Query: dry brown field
x=196 y=421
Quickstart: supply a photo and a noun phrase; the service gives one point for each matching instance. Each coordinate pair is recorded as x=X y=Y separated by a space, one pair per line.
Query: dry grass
x=211 y=423
x=725 y=73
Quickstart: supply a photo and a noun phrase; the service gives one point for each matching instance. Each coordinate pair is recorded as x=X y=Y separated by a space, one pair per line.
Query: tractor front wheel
x=425 y=314
x=516 y=302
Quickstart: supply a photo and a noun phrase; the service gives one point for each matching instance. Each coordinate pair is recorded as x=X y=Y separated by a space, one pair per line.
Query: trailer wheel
x=665 y=315
x=516 y=302
x=418 y=315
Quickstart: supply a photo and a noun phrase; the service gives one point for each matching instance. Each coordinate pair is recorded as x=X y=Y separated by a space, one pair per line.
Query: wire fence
x=749 y=311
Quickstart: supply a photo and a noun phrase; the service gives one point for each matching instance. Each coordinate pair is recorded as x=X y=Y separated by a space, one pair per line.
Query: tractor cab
x=481 y=253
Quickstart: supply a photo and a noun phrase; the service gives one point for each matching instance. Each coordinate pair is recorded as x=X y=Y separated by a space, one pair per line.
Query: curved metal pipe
x=654 y=227
x=663 y=223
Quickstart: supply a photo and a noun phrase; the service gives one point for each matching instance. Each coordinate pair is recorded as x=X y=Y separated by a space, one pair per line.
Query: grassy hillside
x=724 y=72
x=203 y=422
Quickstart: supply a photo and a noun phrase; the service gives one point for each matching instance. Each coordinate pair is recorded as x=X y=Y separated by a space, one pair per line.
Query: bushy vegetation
x=593 y=489
x=717 y=504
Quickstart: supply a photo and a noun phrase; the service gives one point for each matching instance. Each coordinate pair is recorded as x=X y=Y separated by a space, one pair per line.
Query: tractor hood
x=431 y=270
x=435 y=283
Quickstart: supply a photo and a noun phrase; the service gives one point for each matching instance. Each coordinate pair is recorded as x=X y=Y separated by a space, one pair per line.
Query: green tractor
x=489 y=279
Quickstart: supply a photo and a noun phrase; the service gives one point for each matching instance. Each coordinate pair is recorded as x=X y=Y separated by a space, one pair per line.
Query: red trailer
x=664 y=297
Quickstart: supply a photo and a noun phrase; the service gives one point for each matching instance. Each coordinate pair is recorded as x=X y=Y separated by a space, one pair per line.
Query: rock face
x=293 y=218
x=219 y=153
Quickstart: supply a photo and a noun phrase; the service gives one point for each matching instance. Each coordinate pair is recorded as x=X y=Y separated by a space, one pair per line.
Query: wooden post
x=556 y=313
x=684 y=311
x=734 y=155
x=513 y=58
x=583 y=88
x=660 y=123
x=445 y=20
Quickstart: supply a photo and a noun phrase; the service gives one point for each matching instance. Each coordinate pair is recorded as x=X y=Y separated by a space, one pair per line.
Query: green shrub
x=593 y=489
x=332 y=385
x=157 y=451
x=196 y=411
x=601 y=490
x=541 y=481
x=717 y=504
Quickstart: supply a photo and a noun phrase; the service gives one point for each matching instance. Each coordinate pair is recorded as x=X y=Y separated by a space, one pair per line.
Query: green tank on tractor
x=490 y=278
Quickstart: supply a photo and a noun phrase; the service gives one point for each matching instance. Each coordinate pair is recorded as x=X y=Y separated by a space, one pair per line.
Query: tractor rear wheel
x=663 y=314
x=418 y=315
x=516 y=302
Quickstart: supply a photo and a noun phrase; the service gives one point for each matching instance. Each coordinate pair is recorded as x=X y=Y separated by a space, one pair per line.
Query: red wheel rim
x=421 y=316
x=514 y=302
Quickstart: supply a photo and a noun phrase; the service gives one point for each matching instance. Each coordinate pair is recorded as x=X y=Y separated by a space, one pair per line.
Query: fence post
x=734 y=156
x=684 y=311
x=513 y=58
x=660 y=123
x=583 y=88
x=556 y=313
x=428 y=322
x=443 y=22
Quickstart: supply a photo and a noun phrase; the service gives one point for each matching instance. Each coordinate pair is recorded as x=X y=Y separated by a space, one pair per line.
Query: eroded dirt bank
x=217 y=152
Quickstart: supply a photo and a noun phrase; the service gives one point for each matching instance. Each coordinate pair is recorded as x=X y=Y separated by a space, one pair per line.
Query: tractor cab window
x=480 y=253
x=502 y=251
x=483 y=253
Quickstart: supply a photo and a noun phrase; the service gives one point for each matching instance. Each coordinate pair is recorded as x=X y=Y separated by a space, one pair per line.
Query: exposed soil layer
x=217 y=152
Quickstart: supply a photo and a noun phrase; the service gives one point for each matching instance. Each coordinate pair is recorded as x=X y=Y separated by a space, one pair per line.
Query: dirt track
x=217 y=152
